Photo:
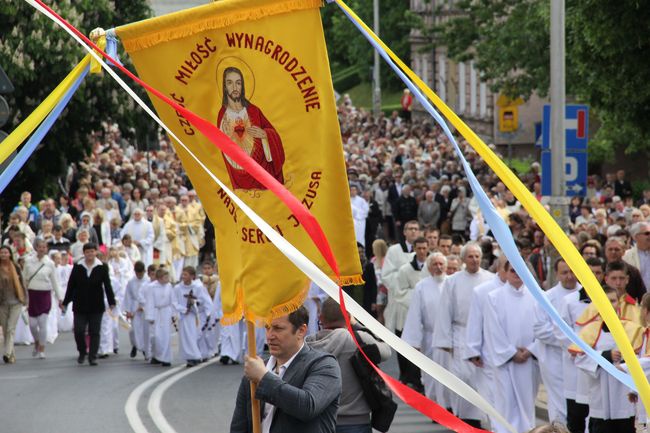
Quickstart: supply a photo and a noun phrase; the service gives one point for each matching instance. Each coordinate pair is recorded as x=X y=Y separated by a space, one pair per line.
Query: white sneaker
x=41 y=355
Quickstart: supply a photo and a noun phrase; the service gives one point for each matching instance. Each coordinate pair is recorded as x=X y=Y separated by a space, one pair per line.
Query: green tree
x=347 y=47
x=36 y=55
x=607 y=62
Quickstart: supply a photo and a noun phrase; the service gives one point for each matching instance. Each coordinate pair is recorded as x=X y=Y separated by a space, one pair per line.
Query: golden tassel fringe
x=147 y=33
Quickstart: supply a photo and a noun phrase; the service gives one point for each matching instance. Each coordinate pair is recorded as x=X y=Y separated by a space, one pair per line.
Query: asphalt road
x=127 y=395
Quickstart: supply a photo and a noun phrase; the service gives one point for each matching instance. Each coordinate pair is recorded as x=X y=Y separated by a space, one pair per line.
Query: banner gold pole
x=255 y=404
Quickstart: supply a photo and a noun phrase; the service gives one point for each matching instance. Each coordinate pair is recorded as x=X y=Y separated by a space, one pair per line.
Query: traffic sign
x=576 y=124
x=575 y=175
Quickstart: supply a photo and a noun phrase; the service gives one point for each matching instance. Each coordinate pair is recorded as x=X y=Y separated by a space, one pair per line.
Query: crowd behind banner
x=433 y=273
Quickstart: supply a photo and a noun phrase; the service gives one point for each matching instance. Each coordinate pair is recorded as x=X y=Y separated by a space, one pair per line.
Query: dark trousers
x=92 y=321
x=625 y=425
x=408 y=372
x=576 y=415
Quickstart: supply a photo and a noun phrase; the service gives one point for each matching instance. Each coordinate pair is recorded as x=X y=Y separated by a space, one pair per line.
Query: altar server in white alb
x=398 y=306
x=210 y=319
x=610 y=411
x=134 y=309
x=475 y=350
x=420 y=322
x=509 y=335
x=548 y=347
x=191 y=301
x=451 y=325
x=159 y=311
x=571 y=308
x=360 y=209
x=142 y=234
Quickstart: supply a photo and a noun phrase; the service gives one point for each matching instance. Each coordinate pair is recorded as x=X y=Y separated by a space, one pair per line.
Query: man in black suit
x=299 y=387
x=89 y=281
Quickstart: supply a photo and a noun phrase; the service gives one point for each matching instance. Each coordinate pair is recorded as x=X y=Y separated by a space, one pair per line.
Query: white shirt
x=269 y=409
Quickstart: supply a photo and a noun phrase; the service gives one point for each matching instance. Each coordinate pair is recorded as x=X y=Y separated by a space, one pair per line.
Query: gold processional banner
x=259 y=70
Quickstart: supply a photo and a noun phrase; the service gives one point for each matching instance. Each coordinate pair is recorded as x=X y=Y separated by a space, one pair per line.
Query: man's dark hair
x=617 y=266
x=420 y=240
x=331 y=312
x=242 y=97
x=138 y=267
x=590 y=245
x=56 y=228
x=299 y=317
x=595 y=261
x=89 y=246
x=557 y=263
x=152 y=268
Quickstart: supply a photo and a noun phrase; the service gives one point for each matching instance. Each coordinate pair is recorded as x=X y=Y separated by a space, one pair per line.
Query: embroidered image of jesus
x=247 y=127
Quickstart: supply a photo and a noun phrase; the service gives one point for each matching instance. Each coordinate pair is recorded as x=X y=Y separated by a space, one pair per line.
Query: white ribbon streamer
x=306 y=266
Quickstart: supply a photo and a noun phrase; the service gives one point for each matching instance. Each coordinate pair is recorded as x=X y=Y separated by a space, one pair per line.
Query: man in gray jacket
x=354 y=412
x=298 y=387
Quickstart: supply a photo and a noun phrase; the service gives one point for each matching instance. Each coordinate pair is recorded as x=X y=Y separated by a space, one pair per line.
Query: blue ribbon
x=499 y=228
x=21 y=158
x=111 y=45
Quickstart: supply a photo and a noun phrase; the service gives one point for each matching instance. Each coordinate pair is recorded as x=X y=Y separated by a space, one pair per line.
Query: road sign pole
x=559 y=201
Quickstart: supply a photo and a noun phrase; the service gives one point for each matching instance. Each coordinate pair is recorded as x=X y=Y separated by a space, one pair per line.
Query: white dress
x=159 y=308
x=189 y=328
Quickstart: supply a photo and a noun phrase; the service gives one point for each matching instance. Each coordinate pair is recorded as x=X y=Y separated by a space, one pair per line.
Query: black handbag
x=377 y=394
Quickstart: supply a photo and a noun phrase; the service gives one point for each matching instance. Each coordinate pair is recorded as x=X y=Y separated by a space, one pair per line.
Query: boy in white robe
x=509 y=336
x=143 y=299
x=159 y=312
x=571 y=308
x=450 y=330
x=420 y=322
x=609 y=408
x=210 y=320
x=190 y=300
x=548 y=347
x=134 y=309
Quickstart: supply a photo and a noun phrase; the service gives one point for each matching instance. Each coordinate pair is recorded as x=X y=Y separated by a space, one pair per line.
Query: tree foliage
x=347 y=47
x=607 y=62
x=36 y=55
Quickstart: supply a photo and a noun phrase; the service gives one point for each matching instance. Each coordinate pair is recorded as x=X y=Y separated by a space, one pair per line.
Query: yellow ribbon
x=554 y=233
x=95 y=66
x=24 y=130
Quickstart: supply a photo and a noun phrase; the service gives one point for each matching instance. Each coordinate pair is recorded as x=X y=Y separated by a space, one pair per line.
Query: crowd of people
x=130 y=224
x=443 y=284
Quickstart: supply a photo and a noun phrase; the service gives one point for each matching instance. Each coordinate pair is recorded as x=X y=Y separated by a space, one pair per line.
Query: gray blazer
x=306 y=399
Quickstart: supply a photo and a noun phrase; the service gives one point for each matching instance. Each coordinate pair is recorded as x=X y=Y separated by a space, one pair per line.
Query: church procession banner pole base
x=252 y=352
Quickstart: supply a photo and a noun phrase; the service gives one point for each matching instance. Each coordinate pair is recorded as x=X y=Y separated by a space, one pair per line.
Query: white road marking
x=156 y=397
x=131 y=406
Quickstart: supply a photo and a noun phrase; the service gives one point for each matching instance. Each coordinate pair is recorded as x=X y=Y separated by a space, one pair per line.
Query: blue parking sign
x=575 y=176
